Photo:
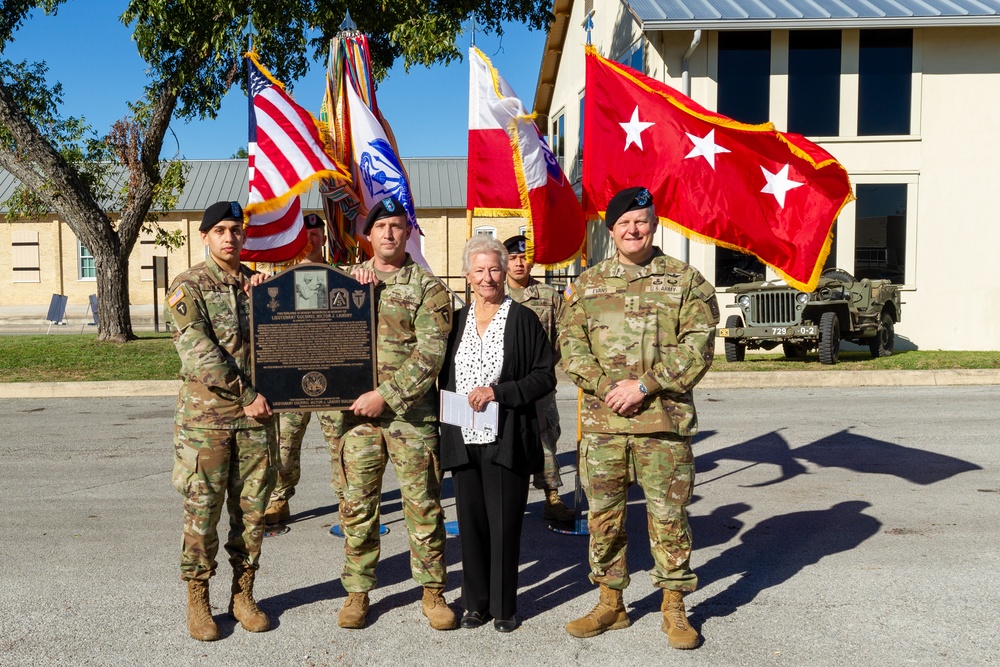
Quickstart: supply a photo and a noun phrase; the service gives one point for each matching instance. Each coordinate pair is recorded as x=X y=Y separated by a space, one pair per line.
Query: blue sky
x=92 y=55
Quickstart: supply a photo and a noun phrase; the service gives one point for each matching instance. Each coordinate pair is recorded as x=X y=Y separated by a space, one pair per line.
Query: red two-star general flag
x=772 y=194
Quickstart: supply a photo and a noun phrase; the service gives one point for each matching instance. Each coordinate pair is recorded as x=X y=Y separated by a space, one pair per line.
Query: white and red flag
x=286 y=155
x=512 y=172
x=772 y=194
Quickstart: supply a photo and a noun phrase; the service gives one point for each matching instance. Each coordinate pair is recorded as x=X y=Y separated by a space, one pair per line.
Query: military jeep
x=841 y=308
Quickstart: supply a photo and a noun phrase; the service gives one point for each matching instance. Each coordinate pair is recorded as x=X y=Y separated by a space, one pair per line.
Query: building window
x=486 y=231
x=744 y=78
x=87 y=270
x=831 y=259
x=814 y=82
x=885 y=66
x=557 y=141
x=579 y=146
x=880 y=232
x=24 y=256
x=744 y=94
x=633 y=57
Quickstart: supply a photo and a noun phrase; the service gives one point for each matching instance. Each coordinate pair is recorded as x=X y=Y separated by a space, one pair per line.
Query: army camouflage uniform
x=414 y=320
x=546 y=302
x=218 y=450
x=658 y=327
x=292 y=428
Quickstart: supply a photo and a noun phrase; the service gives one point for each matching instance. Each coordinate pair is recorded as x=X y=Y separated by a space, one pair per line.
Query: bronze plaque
x=312 y=330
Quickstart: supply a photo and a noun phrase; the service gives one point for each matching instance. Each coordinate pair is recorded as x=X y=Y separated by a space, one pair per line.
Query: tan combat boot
x=200 y=623
x=554 y=508
x=354 y=613
x=609 y=614
x=680 y=634
x=437 y=610
x=243 y=607
x=277 y=512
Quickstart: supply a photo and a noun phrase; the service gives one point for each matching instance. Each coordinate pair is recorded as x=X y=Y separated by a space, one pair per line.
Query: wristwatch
x=642 y=388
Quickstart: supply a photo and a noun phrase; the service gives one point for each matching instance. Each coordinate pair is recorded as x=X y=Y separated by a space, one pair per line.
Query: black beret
x=627 y=200
x=384 y=208
x=313 y=221
x=219 y=211
x=516 y=245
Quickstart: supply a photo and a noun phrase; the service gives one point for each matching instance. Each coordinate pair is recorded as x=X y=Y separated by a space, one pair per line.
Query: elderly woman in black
x=499 y=352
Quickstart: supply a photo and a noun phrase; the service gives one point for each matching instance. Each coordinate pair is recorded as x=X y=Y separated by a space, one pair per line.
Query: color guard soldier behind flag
x=636 y=336
x=546 y=302
x=223 y=432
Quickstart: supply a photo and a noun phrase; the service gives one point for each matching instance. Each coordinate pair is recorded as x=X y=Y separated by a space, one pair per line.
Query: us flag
x=286 y=155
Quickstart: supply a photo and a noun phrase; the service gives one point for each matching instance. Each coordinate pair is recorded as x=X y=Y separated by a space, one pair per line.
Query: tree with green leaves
x=194 y=50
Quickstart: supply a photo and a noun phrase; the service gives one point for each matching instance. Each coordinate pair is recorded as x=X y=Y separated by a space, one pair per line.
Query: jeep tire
x=883 y=343
x=735 y=350
x=829 y=338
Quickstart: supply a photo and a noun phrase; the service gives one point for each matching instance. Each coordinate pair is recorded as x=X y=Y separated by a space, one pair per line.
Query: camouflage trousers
x=664 y=466
x=213 y=466
x=549 y=430
x=292 y=428
x=413 y=450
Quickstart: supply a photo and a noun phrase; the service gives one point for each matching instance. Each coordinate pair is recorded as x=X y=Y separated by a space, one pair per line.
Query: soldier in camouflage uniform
x=292 y=425
x=637 y=336
x=223 y=432
x=398 y=422
x=546 y=302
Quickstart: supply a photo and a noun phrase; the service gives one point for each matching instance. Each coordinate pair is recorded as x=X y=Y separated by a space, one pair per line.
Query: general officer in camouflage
x=224 y=445
x=637 y=336
x=398 y=422
x=546 y=302
x=292 y=425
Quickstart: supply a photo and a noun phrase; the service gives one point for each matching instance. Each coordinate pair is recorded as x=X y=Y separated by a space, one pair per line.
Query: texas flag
x=772 y=194
x=512 y=172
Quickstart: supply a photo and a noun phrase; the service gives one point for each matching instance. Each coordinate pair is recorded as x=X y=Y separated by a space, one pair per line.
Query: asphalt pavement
x=832 y=525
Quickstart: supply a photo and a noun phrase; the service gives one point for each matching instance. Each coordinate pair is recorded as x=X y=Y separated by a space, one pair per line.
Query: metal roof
x=434 y=182
x=799 y=14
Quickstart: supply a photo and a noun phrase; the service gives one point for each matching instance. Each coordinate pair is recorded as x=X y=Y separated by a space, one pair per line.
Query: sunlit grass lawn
x=909 y=360
x=74 y=358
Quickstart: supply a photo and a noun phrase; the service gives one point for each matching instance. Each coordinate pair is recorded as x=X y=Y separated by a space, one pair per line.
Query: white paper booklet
x=455 y=409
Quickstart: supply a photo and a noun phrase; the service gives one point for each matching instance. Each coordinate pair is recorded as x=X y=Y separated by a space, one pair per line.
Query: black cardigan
x=527 y=375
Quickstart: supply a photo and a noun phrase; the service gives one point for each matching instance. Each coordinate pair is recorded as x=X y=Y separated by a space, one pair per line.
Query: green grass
x=74 y=358
x=910 y=360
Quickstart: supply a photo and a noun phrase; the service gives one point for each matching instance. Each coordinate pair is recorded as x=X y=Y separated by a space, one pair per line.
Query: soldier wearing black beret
x=637 y=335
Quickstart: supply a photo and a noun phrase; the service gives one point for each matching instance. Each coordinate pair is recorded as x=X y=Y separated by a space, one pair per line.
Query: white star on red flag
x=633 y=130
x=705 y=147
x=779 y=184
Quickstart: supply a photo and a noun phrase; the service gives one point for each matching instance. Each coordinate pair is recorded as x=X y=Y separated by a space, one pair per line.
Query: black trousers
x=490 y=501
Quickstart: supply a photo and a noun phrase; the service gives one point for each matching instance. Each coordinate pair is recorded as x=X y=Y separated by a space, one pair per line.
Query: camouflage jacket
x=546 y=302
x=414 y=320
x=658 y=327
x=211 y=316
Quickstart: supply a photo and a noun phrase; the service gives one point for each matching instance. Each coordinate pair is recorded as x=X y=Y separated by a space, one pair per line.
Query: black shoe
x=474 y=619
x=505 y=625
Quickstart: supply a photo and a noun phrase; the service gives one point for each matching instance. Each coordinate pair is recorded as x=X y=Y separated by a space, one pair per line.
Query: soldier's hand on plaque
x=253 y=281
x=364 y=276
x=368 y=404
x=625 y=398
x=259 y=409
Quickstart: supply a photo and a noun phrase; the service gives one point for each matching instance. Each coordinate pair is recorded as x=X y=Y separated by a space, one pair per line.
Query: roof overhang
x=656 y=25
x=561 y=11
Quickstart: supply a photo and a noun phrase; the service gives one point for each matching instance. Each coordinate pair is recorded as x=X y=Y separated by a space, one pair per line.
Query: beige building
x=42 y=258
x=905 y=93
